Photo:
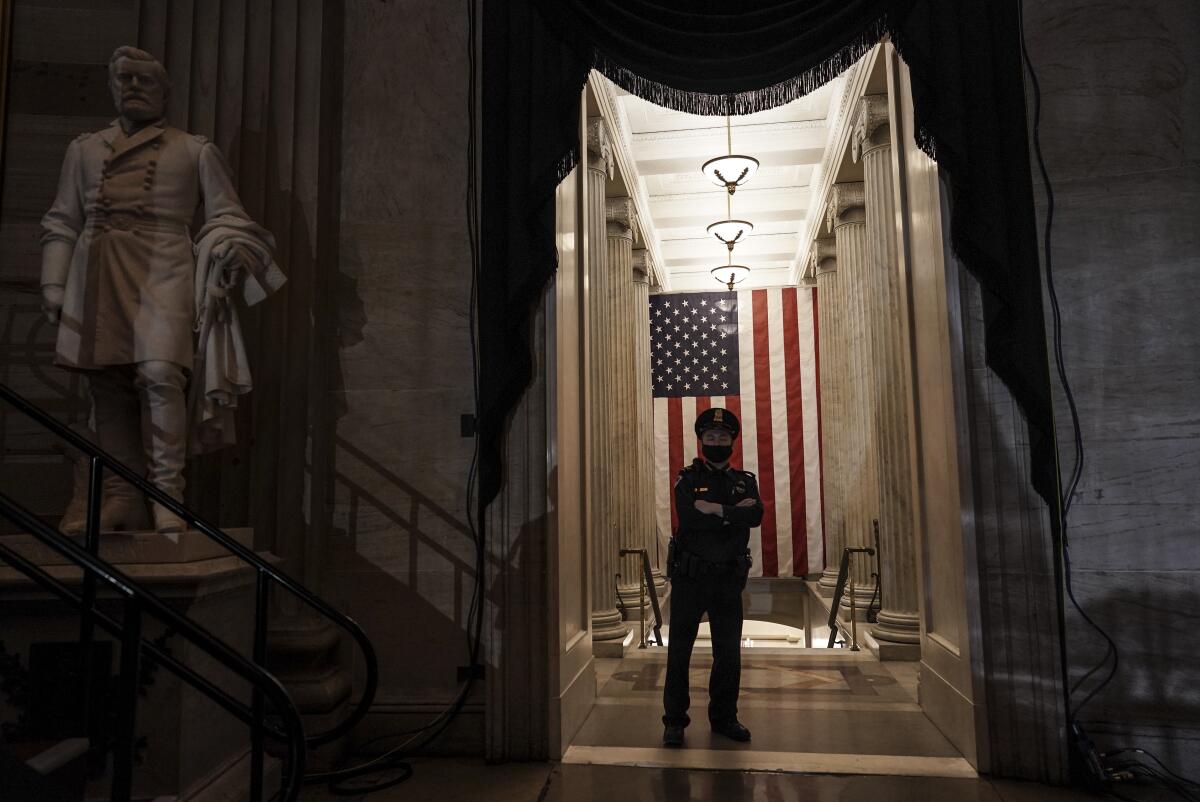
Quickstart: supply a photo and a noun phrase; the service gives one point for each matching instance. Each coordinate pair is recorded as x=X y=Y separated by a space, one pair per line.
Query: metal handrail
x=128 y=630
x=266 y=571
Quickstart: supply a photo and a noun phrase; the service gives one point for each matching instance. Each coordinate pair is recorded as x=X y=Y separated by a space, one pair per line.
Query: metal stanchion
x=642 y=610
x=853 y=619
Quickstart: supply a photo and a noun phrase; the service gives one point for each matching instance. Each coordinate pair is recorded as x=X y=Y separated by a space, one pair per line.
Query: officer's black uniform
x=709 y=564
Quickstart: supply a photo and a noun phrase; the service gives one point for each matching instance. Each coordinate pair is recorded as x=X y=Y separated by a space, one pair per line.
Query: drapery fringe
x=751 y=101
x=755 y=100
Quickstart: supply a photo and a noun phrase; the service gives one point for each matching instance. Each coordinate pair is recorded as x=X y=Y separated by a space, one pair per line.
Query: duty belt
x=691 y=565
x=128 y=221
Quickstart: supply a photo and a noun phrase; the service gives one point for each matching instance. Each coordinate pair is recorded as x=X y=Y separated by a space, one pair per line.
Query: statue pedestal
x=192 y=749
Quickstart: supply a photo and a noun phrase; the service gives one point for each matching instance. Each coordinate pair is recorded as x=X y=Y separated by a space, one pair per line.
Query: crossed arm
x=699 y=514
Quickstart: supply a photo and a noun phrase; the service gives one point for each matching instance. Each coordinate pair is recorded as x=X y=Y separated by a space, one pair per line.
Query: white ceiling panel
x=668 y=149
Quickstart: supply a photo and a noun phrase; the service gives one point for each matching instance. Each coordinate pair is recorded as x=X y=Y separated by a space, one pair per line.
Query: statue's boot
x=120 y=507
x=118 y=431
x=164 y=418
x=74 y=520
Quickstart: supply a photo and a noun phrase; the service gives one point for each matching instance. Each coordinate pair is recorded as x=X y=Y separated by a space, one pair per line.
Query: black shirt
x=711 y=537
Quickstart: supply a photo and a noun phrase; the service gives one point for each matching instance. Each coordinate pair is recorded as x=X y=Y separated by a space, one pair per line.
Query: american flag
x=754 y=352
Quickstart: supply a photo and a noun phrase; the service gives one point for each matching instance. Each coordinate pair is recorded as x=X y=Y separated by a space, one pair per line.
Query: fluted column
x=624 y=460
x=824 y=261
x=898 y=621
x=607 y=625
x=847 y=219
x=643 y=268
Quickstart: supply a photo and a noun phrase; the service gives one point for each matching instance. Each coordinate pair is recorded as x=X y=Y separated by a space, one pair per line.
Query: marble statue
x=145 y=306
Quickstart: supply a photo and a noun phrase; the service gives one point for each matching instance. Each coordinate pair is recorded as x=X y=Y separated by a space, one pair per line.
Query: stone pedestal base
x=614 y=648
x=898 y=635
x=192 y=747
x=302 y=654
x=862 y=601
x=608 y=632
x=631 y=599
x=827 y=584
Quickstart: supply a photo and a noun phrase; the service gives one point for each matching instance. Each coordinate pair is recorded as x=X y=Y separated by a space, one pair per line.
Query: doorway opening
x=828 y=405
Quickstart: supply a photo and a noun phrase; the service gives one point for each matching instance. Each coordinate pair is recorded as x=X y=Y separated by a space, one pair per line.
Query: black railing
x=137 y=601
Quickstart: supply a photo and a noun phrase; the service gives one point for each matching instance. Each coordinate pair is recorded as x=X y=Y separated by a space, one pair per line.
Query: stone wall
x=401 y=558
x=1121 y=135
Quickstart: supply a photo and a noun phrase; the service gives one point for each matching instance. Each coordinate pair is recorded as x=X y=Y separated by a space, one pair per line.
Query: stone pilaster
x=847 y=219
x=607 y=626
x=824 y=261
x=898 y=630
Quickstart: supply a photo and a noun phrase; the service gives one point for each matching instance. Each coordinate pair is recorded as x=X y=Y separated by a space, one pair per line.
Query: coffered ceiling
x=668 y=148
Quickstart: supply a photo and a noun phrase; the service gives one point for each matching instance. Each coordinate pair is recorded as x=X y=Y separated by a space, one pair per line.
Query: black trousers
x=721 y=598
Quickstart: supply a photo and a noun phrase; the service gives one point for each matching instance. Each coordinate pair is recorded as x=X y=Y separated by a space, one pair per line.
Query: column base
x=660 y=583
x=898 y=634
x=862 y=601
x=608 y=630
x=631 y=600
x=827 y=584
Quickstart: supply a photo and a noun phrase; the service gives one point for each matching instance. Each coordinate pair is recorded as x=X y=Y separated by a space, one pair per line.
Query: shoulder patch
x=751 y=475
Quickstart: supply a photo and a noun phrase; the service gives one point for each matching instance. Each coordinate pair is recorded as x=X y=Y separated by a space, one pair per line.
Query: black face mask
x=716 y=453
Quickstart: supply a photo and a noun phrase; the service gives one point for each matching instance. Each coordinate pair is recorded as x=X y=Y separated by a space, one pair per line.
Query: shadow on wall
x=1154 y=619
x=409 y=555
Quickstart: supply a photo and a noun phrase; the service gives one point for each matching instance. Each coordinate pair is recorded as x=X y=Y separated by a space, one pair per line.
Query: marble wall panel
x=1121 y=85
x=401 y=558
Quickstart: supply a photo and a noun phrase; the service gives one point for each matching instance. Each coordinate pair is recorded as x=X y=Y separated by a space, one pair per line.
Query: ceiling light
x=731 y=232
x=730 y=274
x=730 y=171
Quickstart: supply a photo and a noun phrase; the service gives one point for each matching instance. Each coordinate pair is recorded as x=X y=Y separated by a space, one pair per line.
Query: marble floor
x=811 y=711
x=462 y=780
x=829 y=726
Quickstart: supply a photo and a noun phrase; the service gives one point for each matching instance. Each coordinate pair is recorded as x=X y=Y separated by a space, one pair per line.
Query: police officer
x=708 y=562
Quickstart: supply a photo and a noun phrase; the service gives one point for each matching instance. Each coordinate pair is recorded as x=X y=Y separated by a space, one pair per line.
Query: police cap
x=717 y=418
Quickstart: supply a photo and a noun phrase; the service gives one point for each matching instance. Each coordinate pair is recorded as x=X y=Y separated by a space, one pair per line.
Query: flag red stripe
x=795 y=424
x=733 y=403
x=675 y=449
x=703 y=402
x=820 y=425
x=762 y=413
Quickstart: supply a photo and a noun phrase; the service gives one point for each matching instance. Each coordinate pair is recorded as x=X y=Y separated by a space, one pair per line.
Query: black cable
x=1111 y=651
x=1166 y=777
x=1154 y=757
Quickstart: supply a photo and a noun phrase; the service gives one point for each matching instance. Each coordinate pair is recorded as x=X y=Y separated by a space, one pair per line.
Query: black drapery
x=737 y=57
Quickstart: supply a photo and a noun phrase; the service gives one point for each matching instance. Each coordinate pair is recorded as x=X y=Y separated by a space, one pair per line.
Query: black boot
x=732 y=730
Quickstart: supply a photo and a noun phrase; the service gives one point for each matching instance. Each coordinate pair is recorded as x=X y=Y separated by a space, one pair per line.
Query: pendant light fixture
x=730 y=171
x=730 y=274
x=730 y=231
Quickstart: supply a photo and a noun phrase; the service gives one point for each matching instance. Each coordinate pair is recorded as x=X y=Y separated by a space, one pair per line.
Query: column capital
x=842 y=199
x=643 y=266
x=823 y=256
x=869 y=118
x=599 y=146
x=621 y=217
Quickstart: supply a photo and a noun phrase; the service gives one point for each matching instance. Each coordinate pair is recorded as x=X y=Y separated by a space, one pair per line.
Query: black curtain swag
x=705 y=57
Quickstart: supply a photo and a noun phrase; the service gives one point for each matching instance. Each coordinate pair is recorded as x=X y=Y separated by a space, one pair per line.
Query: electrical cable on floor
x=1182 y=786
x=352 y=780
